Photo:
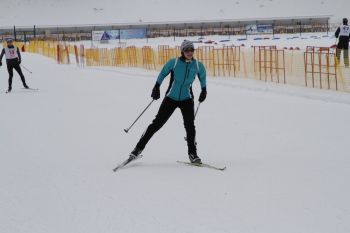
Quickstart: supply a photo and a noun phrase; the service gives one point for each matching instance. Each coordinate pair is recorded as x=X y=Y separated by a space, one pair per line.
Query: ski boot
x=135 y=154
x=194 y=158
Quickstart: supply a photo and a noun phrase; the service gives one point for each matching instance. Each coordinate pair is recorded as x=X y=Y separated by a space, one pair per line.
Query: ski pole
x=127 y=130
x=197 y=110
x=26 y=69
x=195 y=114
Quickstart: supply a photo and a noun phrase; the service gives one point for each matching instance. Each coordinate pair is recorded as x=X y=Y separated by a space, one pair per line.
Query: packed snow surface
x=285 y=148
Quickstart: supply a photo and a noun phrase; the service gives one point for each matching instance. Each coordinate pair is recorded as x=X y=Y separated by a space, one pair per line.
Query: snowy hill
x=286 y=149
x=71 y=12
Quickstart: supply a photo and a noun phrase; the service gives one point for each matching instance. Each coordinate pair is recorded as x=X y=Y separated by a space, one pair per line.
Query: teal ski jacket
x=182 y=74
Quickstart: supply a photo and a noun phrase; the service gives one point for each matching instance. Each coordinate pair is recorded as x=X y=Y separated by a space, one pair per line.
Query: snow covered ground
x=280 y=40
x=286 y=149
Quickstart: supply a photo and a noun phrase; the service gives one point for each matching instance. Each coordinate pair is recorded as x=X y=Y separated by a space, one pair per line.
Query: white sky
x=68 y=12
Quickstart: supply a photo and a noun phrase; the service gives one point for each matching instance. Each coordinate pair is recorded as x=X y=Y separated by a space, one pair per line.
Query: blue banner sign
x=122 y=34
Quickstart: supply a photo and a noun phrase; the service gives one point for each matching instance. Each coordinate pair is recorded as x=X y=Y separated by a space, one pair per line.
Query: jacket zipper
x=186 y=74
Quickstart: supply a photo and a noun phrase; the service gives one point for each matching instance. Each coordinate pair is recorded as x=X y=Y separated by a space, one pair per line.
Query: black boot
x=136 y=153
x=25 y=86
x=9 y=89
x=194 y=158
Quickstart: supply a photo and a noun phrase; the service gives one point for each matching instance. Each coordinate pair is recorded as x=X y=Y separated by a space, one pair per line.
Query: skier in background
x=179 y=94
x=13 y=61
x=343 y=33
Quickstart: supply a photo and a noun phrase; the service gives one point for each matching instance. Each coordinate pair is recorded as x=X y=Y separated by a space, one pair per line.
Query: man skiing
x=183 y=71
x=343 y=33
x=13 y=61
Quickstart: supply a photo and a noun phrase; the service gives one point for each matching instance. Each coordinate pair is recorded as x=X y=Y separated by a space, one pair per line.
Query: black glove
x=203 y=95
x=156 y=92
x=19 y=61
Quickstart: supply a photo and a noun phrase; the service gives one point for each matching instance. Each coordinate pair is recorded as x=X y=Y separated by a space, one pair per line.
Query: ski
x=28 y=89
x=202 y=165
x=126 y=162
x=31 y=89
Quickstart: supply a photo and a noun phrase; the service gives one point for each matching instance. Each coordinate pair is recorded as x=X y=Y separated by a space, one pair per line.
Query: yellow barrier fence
x=314 y=67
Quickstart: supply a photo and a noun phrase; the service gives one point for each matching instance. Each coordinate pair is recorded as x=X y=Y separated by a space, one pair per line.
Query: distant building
x=177 y=29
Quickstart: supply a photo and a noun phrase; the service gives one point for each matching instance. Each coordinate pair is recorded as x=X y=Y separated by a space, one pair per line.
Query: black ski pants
x=10 y=67
x=166 y=109
x=345 y=56
x=343 y=45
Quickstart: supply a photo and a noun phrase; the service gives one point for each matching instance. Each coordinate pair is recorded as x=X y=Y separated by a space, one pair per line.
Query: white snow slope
x=286 y=149
x=72 y=12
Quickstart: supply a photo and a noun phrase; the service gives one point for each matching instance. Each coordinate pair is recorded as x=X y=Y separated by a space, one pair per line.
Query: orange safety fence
x=59 y=51
x=321 y=63
x=316 y=66
x=270 y=62
x=148 y=58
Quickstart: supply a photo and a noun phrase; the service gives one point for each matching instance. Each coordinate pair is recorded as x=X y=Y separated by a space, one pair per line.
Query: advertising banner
x=133 y=33
x=97 y=35
x=265 y=28
x=251 y=29
x=111 y=35
x=122 y=34
x=105 y=35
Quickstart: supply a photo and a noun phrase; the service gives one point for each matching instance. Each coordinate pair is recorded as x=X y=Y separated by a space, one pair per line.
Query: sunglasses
x=189 y=50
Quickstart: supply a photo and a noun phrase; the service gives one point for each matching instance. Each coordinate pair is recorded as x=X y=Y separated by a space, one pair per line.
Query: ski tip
x=117 y=168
